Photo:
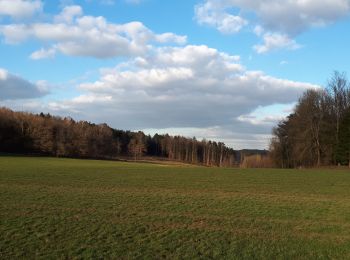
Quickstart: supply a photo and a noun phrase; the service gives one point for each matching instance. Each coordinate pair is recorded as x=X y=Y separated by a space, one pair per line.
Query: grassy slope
x=81 y=209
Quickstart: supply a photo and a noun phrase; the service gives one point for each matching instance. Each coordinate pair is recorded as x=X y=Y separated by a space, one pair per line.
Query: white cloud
x=73 y=34
x=20 y=8
x=170 y=37
x=190 y=90
x=258 y=30
x=43 y=86
x=3 y=74
x=268 y=115
x=83 y=99
x=209 y=13
x=68 y=14
x=275 y=41
x=290 y=17
x=43 y=54
x=278 y=22
x=14 y=87
x=190 y=87
x=230 y=136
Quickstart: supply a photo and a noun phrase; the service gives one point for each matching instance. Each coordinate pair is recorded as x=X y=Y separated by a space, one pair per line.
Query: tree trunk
x=221 y=153
x=208 y=155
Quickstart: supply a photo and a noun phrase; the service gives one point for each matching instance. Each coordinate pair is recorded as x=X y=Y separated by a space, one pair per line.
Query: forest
x=44 y=134
x=317 y=133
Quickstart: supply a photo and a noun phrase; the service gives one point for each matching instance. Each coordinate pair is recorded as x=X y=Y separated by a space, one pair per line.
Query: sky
x=224 y=70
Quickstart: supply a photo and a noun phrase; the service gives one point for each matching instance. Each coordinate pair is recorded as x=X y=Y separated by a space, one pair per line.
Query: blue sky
x=224 y=70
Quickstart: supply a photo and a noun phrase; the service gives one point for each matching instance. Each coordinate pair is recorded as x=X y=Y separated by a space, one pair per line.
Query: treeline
x=317 y=133
x=44 y=134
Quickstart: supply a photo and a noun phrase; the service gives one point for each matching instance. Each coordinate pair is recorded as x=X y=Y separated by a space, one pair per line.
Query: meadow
x=79 y=209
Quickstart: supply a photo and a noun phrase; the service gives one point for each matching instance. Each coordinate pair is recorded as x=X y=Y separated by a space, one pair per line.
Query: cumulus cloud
x=14 y=87
x=74 y=34
x=191 y=90
x=213 y=14
x=20 y=8
x=275 y=41
x=43 y=54
x=188 y=87
x=68 y=14
x=282 y=20
x=290 y=17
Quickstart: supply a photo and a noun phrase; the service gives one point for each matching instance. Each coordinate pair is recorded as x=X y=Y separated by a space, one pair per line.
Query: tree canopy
x=44 y=134
x=317 y=132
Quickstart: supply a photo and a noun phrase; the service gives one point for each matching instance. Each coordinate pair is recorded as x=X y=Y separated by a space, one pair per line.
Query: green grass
x=62 y=208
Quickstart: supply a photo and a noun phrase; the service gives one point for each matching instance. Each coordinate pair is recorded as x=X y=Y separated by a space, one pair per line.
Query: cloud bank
x=190 y=89
x=13 y=87
x=73 y=34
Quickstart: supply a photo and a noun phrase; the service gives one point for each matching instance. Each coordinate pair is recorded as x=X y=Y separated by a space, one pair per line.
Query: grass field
x=62 y=208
